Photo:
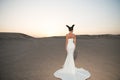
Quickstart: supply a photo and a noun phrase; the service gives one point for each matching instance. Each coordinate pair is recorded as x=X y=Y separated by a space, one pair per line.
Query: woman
x=69 y=71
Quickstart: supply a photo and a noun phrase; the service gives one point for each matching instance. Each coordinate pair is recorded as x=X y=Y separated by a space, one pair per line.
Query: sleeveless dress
x=69 y=71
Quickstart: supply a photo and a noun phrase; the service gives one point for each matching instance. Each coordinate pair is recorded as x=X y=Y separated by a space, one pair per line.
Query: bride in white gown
x=69 y=71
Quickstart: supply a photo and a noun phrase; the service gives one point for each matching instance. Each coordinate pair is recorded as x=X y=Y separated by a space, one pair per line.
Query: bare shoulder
x=74 y=35
x=67 y=35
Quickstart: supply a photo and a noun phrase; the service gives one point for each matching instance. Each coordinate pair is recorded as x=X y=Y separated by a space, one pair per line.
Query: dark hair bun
x=70 y=28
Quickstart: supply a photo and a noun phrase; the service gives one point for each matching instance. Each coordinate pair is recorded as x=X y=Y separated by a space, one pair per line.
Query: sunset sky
x=43 y=18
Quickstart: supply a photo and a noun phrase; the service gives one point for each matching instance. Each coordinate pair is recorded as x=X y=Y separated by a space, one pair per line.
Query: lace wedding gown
x=69 y=71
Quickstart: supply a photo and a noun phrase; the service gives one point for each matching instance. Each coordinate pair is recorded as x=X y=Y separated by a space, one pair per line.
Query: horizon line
x=57 y=35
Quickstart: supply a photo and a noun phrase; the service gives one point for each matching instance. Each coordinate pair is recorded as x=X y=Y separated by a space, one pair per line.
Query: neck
x=70 y=32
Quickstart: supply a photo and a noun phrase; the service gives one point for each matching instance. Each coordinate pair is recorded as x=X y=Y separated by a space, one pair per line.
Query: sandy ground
x=38 y=59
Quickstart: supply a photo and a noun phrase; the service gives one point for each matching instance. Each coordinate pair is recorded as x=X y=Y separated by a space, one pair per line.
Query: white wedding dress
x=69 y=71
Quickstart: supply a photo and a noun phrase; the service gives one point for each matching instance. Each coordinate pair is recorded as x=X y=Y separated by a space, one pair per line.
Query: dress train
x=69 y=71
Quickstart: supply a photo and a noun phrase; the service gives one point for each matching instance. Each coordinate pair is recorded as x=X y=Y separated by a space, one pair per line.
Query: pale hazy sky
x=48 y=17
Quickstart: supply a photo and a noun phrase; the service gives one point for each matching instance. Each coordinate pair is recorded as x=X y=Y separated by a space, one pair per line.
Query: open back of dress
x=69 y=71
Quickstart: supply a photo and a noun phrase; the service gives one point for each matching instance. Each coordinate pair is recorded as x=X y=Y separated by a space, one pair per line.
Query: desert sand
x=27 y=58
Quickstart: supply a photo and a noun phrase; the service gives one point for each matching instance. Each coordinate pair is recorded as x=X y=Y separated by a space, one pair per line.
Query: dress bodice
x=70 y=40
x=70 y=46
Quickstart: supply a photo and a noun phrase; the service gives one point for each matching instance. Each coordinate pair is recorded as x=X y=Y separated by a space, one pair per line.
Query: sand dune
x=38 y=58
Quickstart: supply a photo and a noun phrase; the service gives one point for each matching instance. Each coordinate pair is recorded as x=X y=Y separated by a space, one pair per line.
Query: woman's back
x=71 y=35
